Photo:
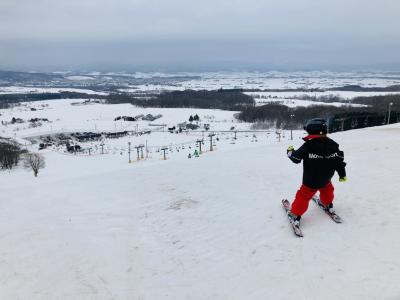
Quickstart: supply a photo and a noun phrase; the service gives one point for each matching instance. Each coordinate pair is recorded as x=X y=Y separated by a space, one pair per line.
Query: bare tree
x=9 y=154
x=35 y=162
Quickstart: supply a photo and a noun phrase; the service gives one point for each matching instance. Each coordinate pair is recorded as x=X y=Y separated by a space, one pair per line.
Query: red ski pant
x=304 y=195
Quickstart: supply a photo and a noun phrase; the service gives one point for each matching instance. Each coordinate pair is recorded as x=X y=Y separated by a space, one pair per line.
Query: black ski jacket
x=321 y=158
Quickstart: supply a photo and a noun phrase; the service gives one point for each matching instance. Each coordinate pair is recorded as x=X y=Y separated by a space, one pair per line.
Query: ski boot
x=330 y=209
x=295 y=220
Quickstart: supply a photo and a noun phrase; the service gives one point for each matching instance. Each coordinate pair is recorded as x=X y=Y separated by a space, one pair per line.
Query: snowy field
x=146 y=85
x=294 y=99
x=36 y=90
x=212 y=227
x=268 y=80
x=158 y=82
x=64 y=117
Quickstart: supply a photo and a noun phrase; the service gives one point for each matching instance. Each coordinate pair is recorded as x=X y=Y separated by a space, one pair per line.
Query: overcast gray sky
x=199 y=34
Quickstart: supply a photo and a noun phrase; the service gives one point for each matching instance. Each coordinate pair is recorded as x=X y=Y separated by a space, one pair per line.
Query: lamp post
x=291 y=126
x=278 y=133
x=141 y=151
x=389 y=111
x=129 y=151
x=211 y=141
x=138 y=152
x=199 y=142
x=164 y=149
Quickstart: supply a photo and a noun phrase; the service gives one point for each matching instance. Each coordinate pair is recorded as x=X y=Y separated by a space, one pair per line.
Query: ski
x=296 y=228
x=335 y=217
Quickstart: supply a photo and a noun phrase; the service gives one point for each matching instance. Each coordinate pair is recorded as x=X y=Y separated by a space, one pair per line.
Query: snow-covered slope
x=202 y=228
x=95 y=117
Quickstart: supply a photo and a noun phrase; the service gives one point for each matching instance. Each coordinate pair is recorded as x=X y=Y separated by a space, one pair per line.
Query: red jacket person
x=321 y=158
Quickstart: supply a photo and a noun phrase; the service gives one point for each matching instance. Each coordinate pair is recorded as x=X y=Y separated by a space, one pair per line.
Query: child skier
x=321 y=158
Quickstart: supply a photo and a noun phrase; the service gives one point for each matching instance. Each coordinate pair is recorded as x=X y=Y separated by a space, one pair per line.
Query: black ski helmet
x=316 y=126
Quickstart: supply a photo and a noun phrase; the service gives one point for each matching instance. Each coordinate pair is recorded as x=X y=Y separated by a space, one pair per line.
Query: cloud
x=288 y=30
x=95 y=19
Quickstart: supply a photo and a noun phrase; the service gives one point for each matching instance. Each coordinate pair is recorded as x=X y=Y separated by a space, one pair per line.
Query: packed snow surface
x=212 y=227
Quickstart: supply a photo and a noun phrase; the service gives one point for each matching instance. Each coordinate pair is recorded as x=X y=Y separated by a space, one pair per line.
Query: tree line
x=380 y=103
x=281 y=116
x=10 y=153
x=219 y=99
x=234 y=100
x=8 y=100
